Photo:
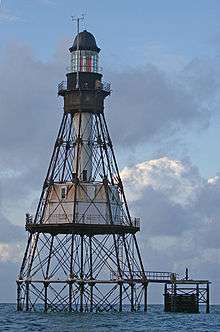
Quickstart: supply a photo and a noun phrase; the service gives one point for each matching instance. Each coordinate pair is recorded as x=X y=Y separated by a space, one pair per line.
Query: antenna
x=77 y=20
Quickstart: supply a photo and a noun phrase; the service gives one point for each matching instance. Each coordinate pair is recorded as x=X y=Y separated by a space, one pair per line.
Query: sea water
x=154 y=320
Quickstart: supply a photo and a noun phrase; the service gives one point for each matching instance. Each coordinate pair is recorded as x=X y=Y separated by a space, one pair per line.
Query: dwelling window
x=74 y=176
x=84 y=175
x=63 y=192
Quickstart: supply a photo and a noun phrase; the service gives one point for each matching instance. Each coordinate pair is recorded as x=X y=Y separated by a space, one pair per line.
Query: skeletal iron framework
x=82 y=253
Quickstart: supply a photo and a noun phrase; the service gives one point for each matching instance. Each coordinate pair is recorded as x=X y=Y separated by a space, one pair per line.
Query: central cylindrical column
x=83 y=139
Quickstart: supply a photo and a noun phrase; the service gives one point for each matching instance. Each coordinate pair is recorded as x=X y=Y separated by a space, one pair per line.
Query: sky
x=162 y=59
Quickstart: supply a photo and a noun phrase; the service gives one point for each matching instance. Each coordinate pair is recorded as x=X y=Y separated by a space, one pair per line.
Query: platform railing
x=136 y=222
x=89 y=219
x=150 y=275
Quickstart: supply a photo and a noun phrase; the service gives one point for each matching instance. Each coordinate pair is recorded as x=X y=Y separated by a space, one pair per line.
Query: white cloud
x=180 y=216
x=213 y=180
x=11 y=252
x=7 y=16
x=174 y=179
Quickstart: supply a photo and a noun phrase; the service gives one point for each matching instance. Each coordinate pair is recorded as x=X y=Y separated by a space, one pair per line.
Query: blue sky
x=188 y=28
x=162 y=58
x=170 y=33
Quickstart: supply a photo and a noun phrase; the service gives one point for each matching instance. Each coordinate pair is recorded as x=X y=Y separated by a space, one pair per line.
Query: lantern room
x=84 y=53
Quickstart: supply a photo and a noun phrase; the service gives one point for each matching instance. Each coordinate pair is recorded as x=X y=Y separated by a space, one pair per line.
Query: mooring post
x=207 y=298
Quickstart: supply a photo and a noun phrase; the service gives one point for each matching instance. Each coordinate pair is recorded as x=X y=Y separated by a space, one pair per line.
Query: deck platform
x=80 y=228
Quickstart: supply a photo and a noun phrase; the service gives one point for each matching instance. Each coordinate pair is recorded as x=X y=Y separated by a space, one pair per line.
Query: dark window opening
x=74 y=176
x=63 y=193
x=84 y=175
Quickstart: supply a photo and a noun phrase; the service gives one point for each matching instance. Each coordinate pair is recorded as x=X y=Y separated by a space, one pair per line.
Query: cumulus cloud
x=179 y=213
x=172 y=189
x=11 y=252
x=170 y=177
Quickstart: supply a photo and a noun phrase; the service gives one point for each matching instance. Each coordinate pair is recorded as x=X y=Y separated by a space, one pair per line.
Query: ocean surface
x=154 y=320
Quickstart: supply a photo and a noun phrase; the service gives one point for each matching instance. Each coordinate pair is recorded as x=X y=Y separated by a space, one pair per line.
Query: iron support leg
x=70 y=296
x=27 y=296
x=120 y=296
x=81 y=276
x=45 y=297
x=91 y=298
x=18 y=297
x=132 y=297
x=145 y=297
x=81 y=296
x=91 y=273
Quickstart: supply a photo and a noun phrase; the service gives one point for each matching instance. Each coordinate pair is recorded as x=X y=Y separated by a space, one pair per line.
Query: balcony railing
x=62 y=86
x=85 y=69
x=104 y=86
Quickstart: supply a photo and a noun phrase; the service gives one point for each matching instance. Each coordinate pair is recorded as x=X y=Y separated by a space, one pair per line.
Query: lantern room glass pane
x=86 y=61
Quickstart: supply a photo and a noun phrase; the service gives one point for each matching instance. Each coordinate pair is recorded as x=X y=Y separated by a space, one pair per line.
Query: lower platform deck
x=79 y=228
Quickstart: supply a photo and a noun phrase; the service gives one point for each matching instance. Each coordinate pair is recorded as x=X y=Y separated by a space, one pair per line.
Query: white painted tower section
x=83 y=61
x=83 y=129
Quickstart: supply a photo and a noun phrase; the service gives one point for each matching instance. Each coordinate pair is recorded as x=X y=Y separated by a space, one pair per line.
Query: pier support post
x=174 y=297
x=197 y=297
x=207 y=298
x=165 y=297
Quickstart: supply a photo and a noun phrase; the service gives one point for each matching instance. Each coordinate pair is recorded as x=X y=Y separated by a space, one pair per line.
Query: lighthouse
x=82 y=253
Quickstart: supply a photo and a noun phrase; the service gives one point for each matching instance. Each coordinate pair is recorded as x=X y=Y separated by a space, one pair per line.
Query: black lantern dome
x=86 y=42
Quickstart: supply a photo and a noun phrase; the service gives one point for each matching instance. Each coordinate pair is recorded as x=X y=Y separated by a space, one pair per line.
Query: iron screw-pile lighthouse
x=82 y=253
